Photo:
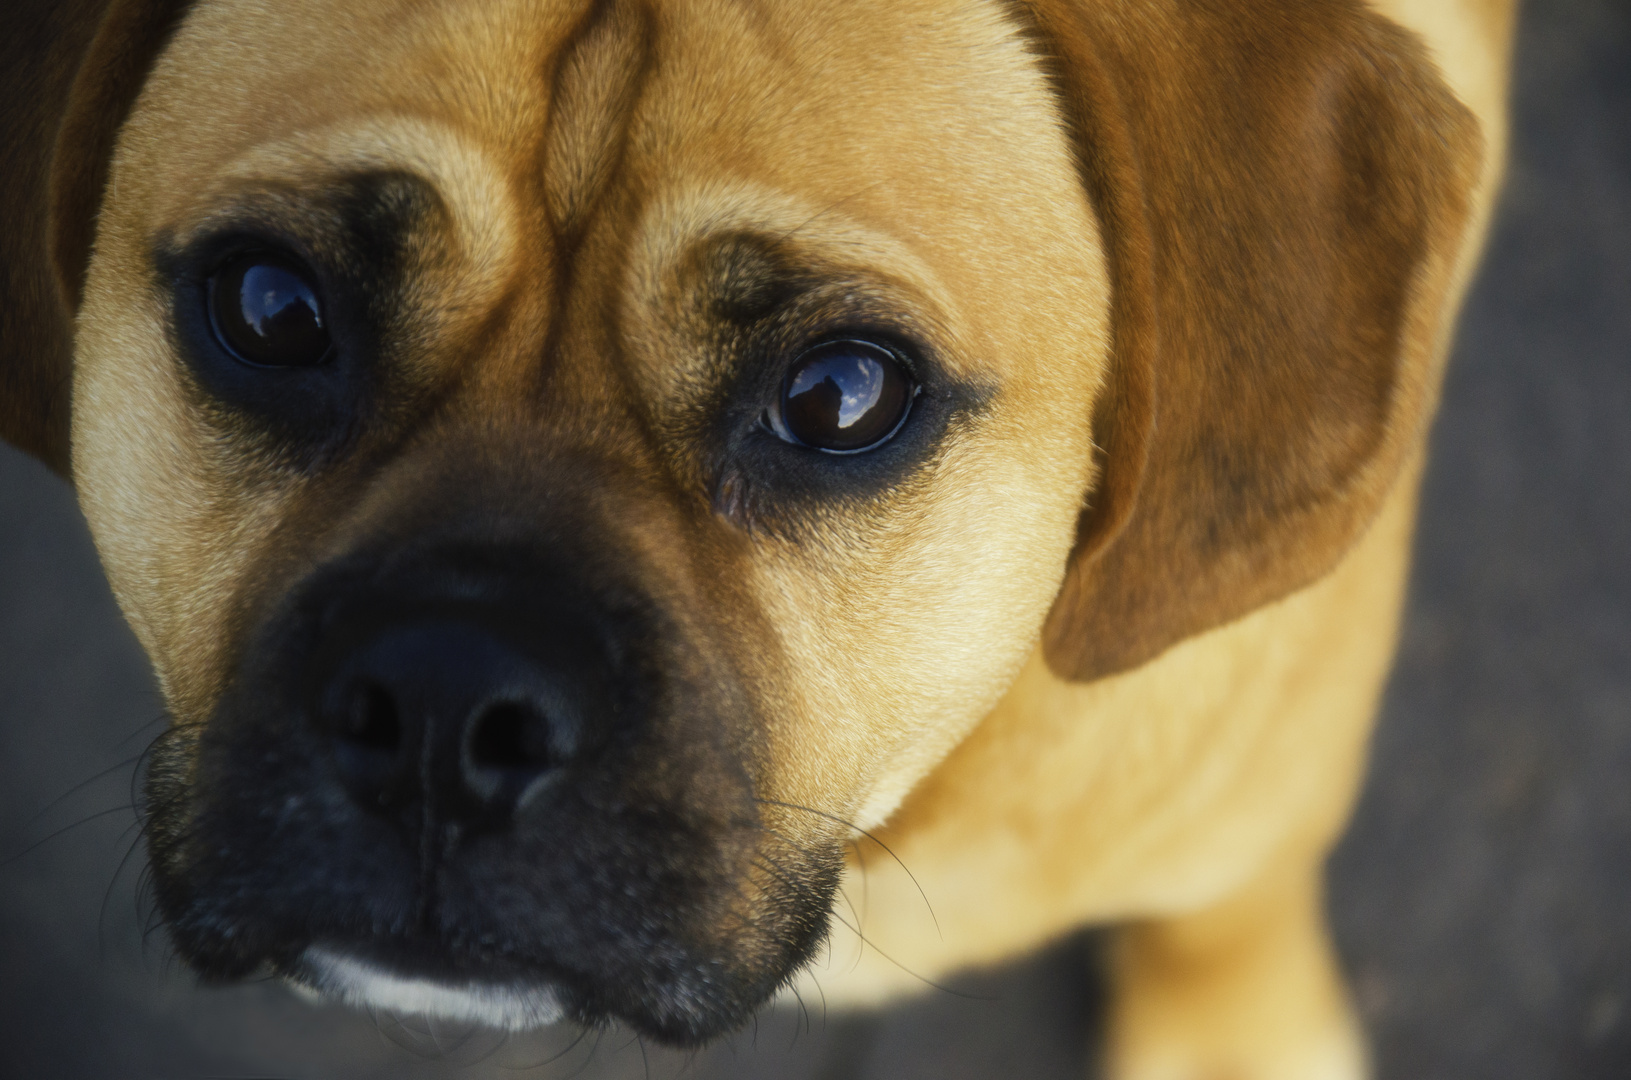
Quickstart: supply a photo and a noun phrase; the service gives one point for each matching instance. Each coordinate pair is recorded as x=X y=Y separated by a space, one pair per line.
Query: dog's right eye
x=265 y=310
x=843 y=397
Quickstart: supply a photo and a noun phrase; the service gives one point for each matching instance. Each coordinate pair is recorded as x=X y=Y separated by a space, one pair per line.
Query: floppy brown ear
x=1282 y=188
x=69 y=72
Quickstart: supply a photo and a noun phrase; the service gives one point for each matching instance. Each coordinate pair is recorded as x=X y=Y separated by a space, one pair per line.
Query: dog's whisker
x=691 y=1058
x=432 y=1027
x=123 y=808
x=82 y=785
x=866 y=878
x=920 y=978
x=600 y=1033
x=162 y=717
x=890 y=851
x=405 y=1037
x=816 y=982
x=107 y=894
x=856 y=915
x=802 y=1022
x=583 y=1033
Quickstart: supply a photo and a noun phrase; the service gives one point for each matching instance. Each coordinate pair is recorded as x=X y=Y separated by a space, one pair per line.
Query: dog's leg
x=1245 y=990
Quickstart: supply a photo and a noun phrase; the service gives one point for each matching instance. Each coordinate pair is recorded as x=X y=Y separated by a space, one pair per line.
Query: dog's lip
x=515 y=1005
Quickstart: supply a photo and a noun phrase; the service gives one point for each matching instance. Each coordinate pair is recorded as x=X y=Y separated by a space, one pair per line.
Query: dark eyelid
x=348 y=225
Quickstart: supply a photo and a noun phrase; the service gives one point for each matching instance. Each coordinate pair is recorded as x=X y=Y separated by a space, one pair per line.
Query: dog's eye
x=265 y=310
x=843 y=397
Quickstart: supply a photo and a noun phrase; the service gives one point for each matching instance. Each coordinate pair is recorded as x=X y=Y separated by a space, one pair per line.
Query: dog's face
x=572 y=463
x=552 y=457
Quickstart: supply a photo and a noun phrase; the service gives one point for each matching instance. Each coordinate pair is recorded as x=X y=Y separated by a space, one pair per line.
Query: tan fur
x=930 y=675
x=1183 y=744
x=1204 y=787
x=1148 y=796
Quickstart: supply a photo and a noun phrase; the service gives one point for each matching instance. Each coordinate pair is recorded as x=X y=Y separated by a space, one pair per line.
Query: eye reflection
x=266 y=311
x=844 y=396
x=270 y=297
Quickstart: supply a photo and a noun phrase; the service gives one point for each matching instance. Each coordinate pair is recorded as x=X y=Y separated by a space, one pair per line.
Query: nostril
x=448 y=718
x=510 y=737
x=371 y=720
x=368 y=735
x=507 y=747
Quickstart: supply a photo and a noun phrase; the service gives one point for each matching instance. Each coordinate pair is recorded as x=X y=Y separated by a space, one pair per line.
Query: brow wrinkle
x=596 y=85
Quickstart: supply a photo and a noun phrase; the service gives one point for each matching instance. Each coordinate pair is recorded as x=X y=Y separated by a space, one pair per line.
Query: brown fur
x=1101 y=644
x=1269 y=225
x=68 y=75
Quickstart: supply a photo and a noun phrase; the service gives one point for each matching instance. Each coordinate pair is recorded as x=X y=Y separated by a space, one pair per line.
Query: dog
x=585 y=470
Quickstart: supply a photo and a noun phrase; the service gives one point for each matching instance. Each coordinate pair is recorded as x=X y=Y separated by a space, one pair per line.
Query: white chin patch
x=508 y=1007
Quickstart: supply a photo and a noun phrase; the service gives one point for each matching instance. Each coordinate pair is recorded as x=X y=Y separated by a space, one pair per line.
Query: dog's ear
x=69 y=72
x=1281 y=187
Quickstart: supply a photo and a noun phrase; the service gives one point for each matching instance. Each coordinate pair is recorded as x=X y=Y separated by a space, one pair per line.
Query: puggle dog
x=576 y=465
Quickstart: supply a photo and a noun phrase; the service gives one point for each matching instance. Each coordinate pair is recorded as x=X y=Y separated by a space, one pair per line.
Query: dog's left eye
x=264 y=309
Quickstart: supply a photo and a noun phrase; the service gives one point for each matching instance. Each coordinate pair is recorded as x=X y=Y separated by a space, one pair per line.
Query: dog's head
x=568 y=462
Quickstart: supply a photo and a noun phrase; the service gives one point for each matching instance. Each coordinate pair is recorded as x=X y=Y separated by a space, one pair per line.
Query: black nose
x=448 y=717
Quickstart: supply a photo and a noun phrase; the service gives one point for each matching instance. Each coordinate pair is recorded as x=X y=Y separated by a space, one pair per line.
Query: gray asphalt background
x=1482 y=900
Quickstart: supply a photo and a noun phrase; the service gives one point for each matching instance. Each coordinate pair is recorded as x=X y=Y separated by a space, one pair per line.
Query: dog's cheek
x=174 y=513
x=900 y=645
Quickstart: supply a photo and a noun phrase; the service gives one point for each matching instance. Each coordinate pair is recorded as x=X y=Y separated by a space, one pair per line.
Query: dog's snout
x=449 y=718
x=511 y=775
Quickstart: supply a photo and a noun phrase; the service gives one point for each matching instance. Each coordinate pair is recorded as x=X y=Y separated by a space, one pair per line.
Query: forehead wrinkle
x=588 y=69
x=597 y=77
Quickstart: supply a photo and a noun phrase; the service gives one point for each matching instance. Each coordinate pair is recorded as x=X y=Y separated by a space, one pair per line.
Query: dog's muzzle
x=476 y=783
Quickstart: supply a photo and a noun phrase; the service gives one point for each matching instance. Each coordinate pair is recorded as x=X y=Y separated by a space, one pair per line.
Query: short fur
x=1097 y=637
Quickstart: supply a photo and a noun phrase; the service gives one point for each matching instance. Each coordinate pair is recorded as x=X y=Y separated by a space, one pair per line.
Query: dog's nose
x=445 y=716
